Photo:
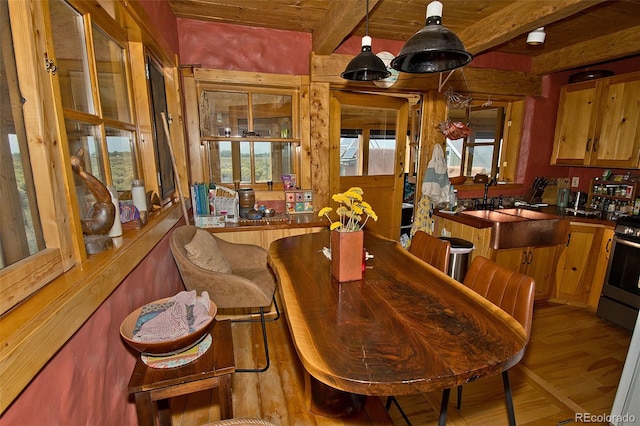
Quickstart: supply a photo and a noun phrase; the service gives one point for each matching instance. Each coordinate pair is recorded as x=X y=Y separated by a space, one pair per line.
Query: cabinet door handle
x=608 y=246
x=588 y=145
x=595 y=145
x=568 y=239
x=530 y=258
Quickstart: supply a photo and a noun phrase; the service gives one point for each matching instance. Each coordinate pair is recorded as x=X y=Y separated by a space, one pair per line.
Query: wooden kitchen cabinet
x=537 y=262
x=602 y=261
x=598 y=123
x=577 y=263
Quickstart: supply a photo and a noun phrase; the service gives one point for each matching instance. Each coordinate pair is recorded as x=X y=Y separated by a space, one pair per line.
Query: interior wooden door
x=368 y=143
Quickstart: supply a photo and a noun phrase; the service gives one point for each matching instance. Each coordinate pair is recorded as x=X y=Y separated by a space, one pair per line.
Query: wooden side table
x=211 y=370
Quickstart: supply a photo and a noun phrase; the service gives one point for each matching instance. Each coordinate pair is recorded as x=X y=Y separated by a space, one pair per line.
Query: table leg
x=326 y=401
x=146 y=409
x=224 y=395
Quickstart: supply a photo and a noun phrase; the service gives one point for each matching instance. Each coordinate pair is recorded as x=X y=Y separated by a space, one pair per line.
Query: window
x=479 y=152
x=161 y=143
x=367 y=141
x=20 y=229
x=103 y=127
x=249 y=135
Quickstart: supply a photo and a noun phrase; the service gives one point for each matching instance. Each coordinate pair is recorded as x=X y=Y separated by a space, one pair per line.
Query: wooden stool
x=213 y=369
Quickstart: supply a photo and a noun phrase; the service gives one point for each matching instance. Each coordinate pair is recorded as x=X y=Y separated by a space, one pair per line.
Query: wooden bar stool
x=212 y=370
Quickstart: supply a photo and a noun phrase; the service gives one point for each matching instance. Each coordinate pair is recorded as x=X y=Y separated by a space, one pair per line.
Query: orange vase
x=346 y=255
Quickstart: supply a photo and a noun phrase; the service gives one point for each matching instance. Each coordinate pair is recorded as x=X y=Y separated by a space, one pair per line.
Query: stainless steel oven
x=620 y=298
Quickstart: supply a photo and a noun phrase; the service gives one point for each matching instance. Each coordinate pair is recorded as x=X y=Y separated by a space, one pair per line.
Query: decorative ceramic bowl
x=254 y=215
x=457 y=180
x=269 y=212
x=165 y=347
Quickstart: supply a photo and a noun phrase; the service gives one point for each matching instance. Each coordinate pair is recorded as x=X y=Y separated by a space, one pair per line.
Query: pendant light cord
x=366 y=21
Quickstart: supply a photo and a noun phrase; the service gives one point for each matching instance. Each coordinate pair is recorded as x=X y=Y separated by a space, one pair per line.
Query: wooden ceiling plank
x=602 y=49
x=340 y=19
x=518 y=18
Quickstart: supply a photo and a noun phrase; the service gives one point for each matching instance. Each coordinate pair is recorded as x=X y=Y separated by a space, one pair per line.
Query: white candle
x=138 y=195
x=434 y=9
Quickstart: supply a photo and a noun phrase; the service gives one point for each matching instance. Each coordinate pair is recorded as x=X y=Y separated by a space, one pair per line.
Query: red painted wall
x=234 y=47
x=86 y=382
x=164 y=21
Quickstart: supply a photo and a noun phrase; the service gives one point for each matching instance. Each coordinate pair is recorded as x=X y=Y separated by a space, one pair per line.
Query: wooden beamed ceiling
x=580 y=33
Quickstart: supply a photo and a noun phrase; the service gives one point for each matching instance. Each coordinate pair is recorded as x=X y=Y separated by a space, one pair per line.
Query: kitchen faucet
x=485 y=205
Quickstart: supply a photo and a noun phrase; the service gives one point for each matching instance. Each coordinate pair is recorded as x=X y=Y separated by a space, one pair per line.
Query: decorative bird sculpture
x=102 y=214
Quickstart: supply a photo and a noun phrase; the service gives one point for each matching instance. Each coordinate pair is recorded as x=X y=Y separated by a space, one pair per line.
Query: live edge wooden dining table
x=405 y=328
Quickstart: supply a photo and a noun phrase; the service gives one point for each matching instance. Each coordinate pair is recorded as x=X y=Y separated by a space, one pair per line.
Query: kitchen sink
x=517 y=227
x=529 y=214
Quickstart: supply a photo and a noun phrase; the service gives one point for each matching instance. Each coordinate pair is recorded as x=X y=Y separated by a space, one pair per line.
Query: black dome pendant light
x=366 y=66
x=432 y=49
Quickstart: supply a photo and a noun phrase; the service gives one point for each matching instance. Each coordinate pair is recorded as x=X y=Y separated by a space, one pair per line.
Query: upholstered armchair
x=234 y=275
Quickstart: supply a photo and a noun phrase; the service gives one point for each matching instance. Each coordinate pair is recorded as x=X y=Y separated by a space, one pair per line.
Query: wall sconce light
x=432 y=49
x=366 y=66
x=536 y=36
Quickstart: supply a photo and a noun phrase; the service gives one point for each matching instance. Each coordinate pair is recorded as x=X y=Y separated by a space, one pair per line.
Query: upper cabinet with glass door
x=250 y=135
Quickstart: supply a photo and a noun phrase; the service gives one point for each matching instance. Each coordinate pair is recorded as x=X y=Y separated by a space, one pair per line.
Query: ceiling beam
x=602 y=49
x=341 y=19
x=516 y=19
x=327 y=69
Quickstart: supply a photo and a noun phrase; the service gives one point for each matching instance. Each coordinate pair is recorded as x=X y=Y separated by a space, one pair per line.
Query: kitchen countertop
x=554 y=210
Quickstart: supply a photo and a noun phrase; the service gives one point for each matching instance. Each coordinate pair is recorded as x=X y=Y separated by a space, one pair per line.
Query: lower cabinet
x=537 y=262
x=583 y=263
x=604 y=253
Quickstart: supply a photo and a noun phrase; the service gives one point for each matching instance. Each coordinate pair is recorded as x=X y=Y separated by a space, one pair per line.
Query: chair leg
x=442 y=420
x=459 y=401
x=508 y=397
x=393 y=399
x=266 y=346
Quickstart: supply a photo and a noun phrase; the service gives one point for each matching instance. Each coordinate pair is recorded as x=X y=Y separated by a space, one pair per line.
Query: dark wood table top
x=404 y=329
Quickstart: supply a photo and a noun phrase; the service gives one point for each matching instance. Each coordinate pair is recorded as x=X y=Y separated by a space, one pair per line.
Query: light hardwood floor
x=572 y=365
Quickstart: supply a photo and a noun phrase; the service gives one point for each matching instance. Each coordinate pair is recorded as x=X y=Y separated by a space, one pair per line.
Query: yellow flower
x=325 y=211
x=351 y=211
x=352 y=195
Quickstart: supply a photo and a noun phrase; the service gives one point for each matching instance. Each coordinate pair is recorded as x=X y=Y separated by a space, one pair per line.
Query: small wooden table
x=405 y=328
x=213 y=369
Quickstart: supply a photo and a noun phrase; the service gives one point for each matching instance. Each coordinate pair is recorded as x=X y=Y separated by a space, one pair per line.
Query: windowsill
x=32 y=332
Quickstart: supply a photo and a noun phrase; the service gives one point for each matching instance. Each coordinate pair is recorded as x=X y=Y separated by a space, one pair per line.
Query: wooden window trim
x=34 y=330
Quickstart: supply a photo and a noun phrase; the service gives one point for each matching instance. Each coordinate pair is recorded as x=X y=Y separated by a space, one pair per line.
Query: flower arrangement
x=351 y=211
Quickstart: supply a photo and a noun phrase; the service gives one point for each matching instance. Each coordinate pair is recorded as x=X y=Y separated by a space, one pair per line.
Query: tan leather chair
x=432 y=250
x=514 y=293
x=241 y=277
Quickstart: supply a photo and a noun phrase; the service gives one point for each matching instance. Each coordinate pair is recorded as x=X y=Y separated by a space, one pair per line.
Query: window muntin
x=479 y=152
x=245 y=132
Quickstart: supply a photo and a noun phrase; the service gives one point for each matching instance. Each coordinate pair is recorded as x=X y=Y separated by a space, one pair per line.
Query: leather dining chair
x=514 y=293
x=235 y=275
x=432 y=250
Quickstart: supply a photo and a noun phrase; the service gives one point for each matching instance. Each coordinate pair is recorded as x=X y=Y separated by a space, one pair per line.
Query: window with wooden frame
x=249 y=134
x=65 y=85
x=95 y=86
